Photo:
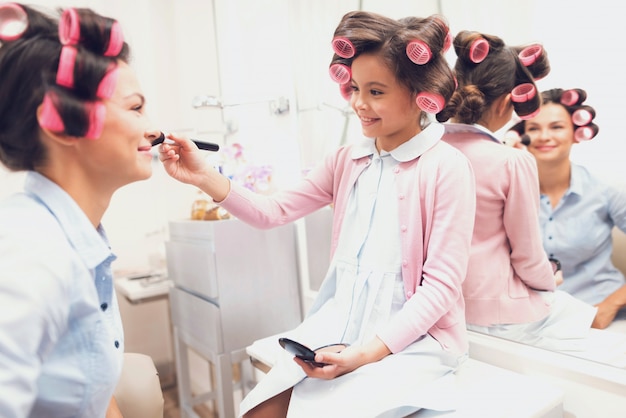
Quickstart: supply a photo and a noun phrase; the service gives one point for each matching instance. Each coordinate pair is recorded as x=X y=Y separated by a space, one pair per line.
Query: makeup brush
x=208 y=146
x=525 y=139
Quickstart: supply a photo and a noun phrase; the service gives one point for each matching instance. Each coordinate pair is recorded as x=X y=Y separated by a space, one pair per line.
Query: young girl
x=404 y=206
x=509 y=288
x=71 y=116
x=577 y=211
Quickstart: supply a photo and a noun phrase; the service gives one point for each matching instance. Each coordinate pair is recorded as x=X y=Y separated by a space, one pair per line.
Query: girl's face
x=122 y=154
x=386 y=108
x=551 y=133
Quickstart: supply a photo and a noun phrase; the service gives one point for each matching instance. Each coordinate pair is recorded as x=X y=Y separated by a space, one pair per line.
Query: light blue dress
x=61 y=336
x=362 y=290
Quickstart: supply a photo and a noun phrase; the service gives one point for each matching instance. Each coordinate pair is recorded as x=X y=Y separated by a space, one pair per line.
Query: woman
x=509 y=288
x=577 y=211
x=393 y=290
x=72 y=117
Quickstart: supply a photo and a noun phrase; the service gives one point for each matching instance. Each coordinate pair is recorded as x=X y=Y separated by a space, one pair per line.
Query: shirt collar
x=576 y=182
x=407 y=151
x=90 y=244
x=454 y=128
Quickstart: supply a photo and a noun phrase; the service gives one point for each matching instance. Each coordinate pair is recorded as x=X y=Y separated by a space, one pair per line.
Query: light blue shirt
x=578 y=233
x=61 y=336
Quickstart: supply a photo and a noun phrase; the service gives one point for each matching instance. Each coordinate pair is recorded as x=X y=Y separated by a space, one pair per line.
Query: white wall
x=282 y=48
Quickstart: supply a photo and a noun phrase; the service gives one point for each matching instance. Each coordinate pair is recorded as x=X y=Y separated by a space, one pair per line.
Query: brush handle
x=207 y=146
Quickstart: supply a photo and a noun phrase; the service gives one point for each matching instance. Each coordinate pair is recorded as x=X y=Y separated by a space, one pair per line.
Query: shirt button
x=550 y=237
x=396 y=170
x=403 y=228
x=117 y=344
x=405 y=263
x=550 y=218
x=409 y=294
x=401 y=196
x=104 y=306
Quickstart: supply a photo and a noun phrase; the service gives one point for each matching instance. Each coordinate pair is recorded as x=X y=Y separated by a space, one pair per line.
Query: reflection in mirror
x=325 y=120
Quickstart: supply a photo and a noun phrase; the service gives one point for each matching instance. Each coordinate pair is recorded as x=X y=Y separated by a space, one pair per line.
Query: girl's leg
x=275 y=407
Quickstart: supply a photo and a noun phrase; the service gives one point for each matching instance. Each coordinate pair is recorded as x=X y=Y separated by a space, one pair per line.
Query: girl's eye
x=375 y=92
x=138 y=108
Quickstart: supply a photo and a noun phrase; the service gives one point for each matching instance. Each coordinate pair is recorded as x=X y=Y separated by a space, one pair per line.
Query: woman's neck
x=554 y=179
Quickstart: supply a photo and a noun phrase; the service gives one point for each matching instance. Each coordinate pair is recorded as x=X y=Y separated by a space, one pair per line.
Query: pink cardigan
x=508 y=264
x=436 y=199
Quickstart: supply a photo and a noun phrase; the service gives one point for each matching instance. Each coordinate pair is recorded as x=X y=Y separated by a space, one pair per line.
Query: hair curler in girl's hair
x=583 y=115
x=479 y=50
x=340 y=73
x=534 y=58
x=526 y=101
x=430 y=102
x=419 y=52
x=346 y=91
x=573 y=97
x=13 y=21
x=585 y=133
x=343 y=47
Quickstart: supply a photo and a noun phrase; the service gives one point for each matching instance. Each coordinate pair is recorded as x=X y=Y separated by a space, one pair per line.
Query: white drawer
x=191 y=265
x=198 y=319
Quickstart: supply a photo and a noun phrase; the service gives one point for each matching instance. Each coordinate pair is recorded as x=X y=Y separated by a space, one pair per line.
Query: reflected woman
x=577 y=211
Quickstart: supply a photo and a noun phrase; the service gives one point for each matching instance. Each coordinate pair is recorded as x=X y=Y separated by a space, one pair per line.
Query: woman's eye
x=138 y=108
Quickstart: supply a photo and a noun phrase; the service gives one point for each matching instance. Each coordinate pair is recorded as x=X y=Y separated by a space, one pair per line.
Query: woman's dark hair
x=500 y=71
x=371 y=33
x=582 y=115
x=28 y=71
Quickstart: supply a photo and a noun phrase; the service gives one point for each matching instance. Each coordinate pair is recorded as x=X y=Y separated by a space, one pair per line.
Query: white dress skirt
x=363 y=289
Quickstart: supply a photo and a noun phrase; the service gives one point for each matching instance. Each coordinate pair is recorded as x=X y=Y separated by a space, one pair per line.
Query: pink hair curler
x=69 y=27
x=585 y=133
x=430 y=102
x=343 y=47
x=108 y=82
x=530 y=54
x=573 y=97
x=116 y=41
x=13 y=21
x=346 y=91
x=49 y=117
x=97 y=113
x=340 y=73
x=65 y=72
x=526 y=101
x=583 y=116
x=529 y=115
x=419 y=52
x=523 y=93
x=479 y=50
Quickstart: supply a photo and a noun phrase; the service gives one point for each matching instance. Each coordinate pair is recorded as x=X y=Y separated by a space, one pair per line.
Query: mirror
x=589 y=61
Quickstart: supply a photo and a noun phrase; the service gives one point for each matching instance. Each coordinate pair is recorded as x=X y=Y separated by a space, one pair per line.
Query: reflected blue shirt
x=578 y=233
x=61 y=336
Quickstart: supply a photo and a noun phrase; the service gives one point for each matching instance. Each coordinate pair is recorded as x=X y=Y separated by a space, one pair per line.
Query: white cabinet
x=233 y=284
